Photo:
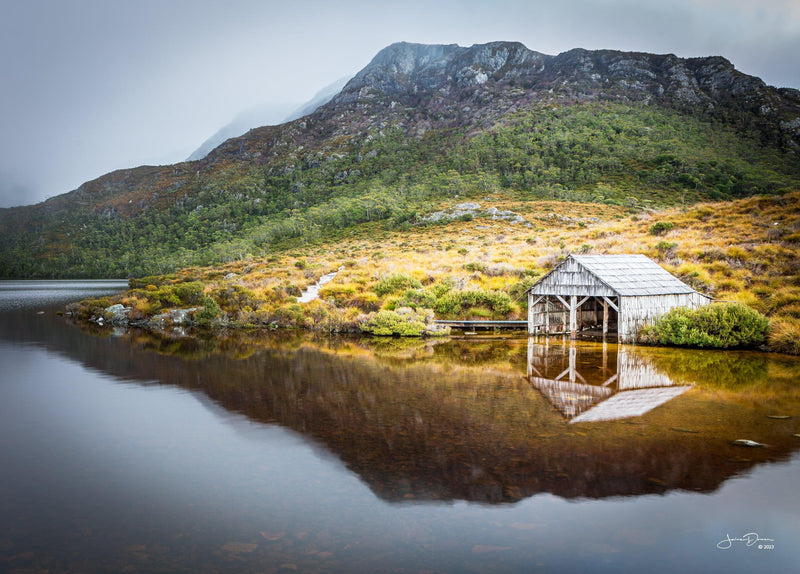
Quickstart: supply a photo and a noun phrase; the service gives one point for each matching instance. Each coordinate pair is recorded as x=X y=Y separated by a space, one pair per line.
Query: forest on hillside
x=633 y=156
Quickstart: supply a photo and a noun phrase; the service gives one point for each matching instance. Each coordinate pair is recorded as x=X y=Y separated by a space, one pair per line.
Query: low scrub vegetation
x=720 y=325
x=387 y=323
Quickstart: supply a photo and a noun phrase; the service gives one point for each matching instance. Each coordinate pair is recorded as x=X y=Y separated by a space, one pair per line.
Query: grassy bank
x=478 y=264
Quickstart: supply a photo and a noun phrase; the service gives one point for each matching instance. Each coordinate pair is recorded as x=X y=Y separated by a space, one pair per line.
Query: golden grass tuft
x=784 y=336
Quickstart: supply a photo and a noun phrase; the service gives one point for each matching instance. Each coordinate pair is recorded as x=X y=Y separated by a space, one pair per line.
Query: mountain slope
x=421 y=124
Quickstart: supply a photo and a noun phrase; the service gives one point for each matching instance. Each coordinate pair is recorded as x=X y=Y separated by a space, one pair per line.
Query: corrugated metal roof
x=632 y=275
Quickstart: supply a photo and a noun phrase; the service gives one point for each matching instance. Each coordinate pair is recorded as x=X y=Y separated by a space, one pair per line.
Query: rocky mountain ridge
x=417 y=88
x=445 y=78
x=420 y=87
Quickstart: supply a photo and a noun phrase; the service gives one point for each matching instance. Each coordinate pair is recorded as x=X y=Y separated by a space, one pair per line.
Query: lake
x=127 y=451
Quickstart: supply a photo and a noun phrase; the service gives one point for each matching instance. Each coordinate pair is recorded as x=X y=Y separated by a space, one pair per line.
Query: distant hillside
x=421 y=125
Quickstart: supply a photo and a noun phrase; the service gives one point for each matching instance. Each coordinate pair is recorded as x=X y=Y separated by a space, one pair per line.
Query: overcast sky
x=89 y=86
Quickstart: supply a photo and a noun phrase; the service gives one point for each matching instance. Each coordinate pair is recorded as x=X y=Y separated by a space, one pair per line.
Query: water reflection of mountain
x=431 y=429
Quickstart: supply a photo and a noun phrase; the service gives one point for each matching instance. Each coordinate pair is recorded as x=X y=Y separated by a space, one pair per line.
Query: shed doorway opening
x=557 y=315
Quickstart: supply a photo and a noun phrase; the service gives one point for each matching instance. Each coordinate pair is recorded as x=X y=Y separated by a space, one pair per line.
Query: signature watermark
x=749 y=539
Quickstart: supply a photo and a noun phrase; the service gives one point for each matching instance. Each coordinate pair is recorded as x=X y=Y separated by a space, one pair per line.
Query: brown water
x=127 y=452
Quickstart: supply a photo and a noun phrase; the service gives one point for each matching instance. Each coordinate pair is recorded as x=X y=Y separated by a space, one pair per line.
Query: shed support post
x=547 y=315
x=605 y=318
x=531 y=305
x=573 y=317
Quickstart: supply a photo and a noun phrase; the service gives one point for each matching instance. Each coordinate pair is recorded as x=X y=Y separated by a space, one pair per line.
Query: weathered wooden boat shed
x=621 y=293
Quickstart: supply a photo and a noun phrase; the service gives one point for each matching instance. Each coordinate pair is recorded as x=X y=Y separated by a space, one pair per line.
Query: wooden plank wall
x=572 y=279
x=636 y=312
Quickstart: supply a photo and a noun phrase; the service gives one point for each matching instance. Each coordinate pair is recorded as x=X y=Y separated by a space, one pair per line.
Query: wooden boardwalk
x=485 y=325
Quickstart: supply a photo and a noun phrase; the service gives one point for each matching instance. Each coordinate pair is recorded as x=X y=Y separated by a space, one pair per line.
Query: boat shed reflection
x=588 y=383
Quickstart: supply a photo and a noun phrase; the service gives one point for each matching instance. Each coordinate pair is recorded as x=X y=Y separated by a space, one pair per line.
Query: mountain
x=266 y=115
x=497 y=78
x=418 y=126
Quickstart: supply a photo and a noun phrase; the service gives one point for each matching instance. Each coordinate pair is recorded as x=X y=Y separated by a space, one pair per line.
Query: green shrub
x=518 y=290
x=142 y=282
x=190 y=293
x=389 y=323
x=661 y=227
x=232 y=298
x=721 y=325
x=167 y=297
x=420 y=298
x=288 y=315
x=474 y=266
x=366 y=302
x=454 y=303
x=395 y=283
x=210 y=310
x=338 y=292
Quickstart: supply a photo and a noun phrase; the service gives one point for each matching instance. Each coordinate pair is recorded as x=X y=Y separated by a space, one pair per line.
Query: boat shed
x=620 y=293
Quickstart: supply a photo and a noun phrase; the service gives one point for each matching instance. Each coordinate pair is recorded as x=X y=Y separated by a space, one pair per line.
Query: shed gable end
x=572 y=278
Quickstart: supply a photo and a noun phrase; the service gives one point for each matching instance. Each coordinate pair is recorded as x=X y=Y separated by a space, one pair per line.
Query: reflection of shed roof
x=626 y=275
x=629 y=404
x=571 y=398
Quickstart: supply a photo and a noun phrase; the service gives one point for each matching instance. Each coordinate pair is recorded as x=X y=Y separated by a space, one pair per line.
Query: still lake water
x=128 y=452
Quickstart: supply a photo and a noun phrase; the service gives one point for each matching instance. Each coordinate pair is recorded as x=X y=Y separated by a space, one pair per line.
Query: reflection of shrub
x=709 y=369
x=784 y=336
x=721 y=325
